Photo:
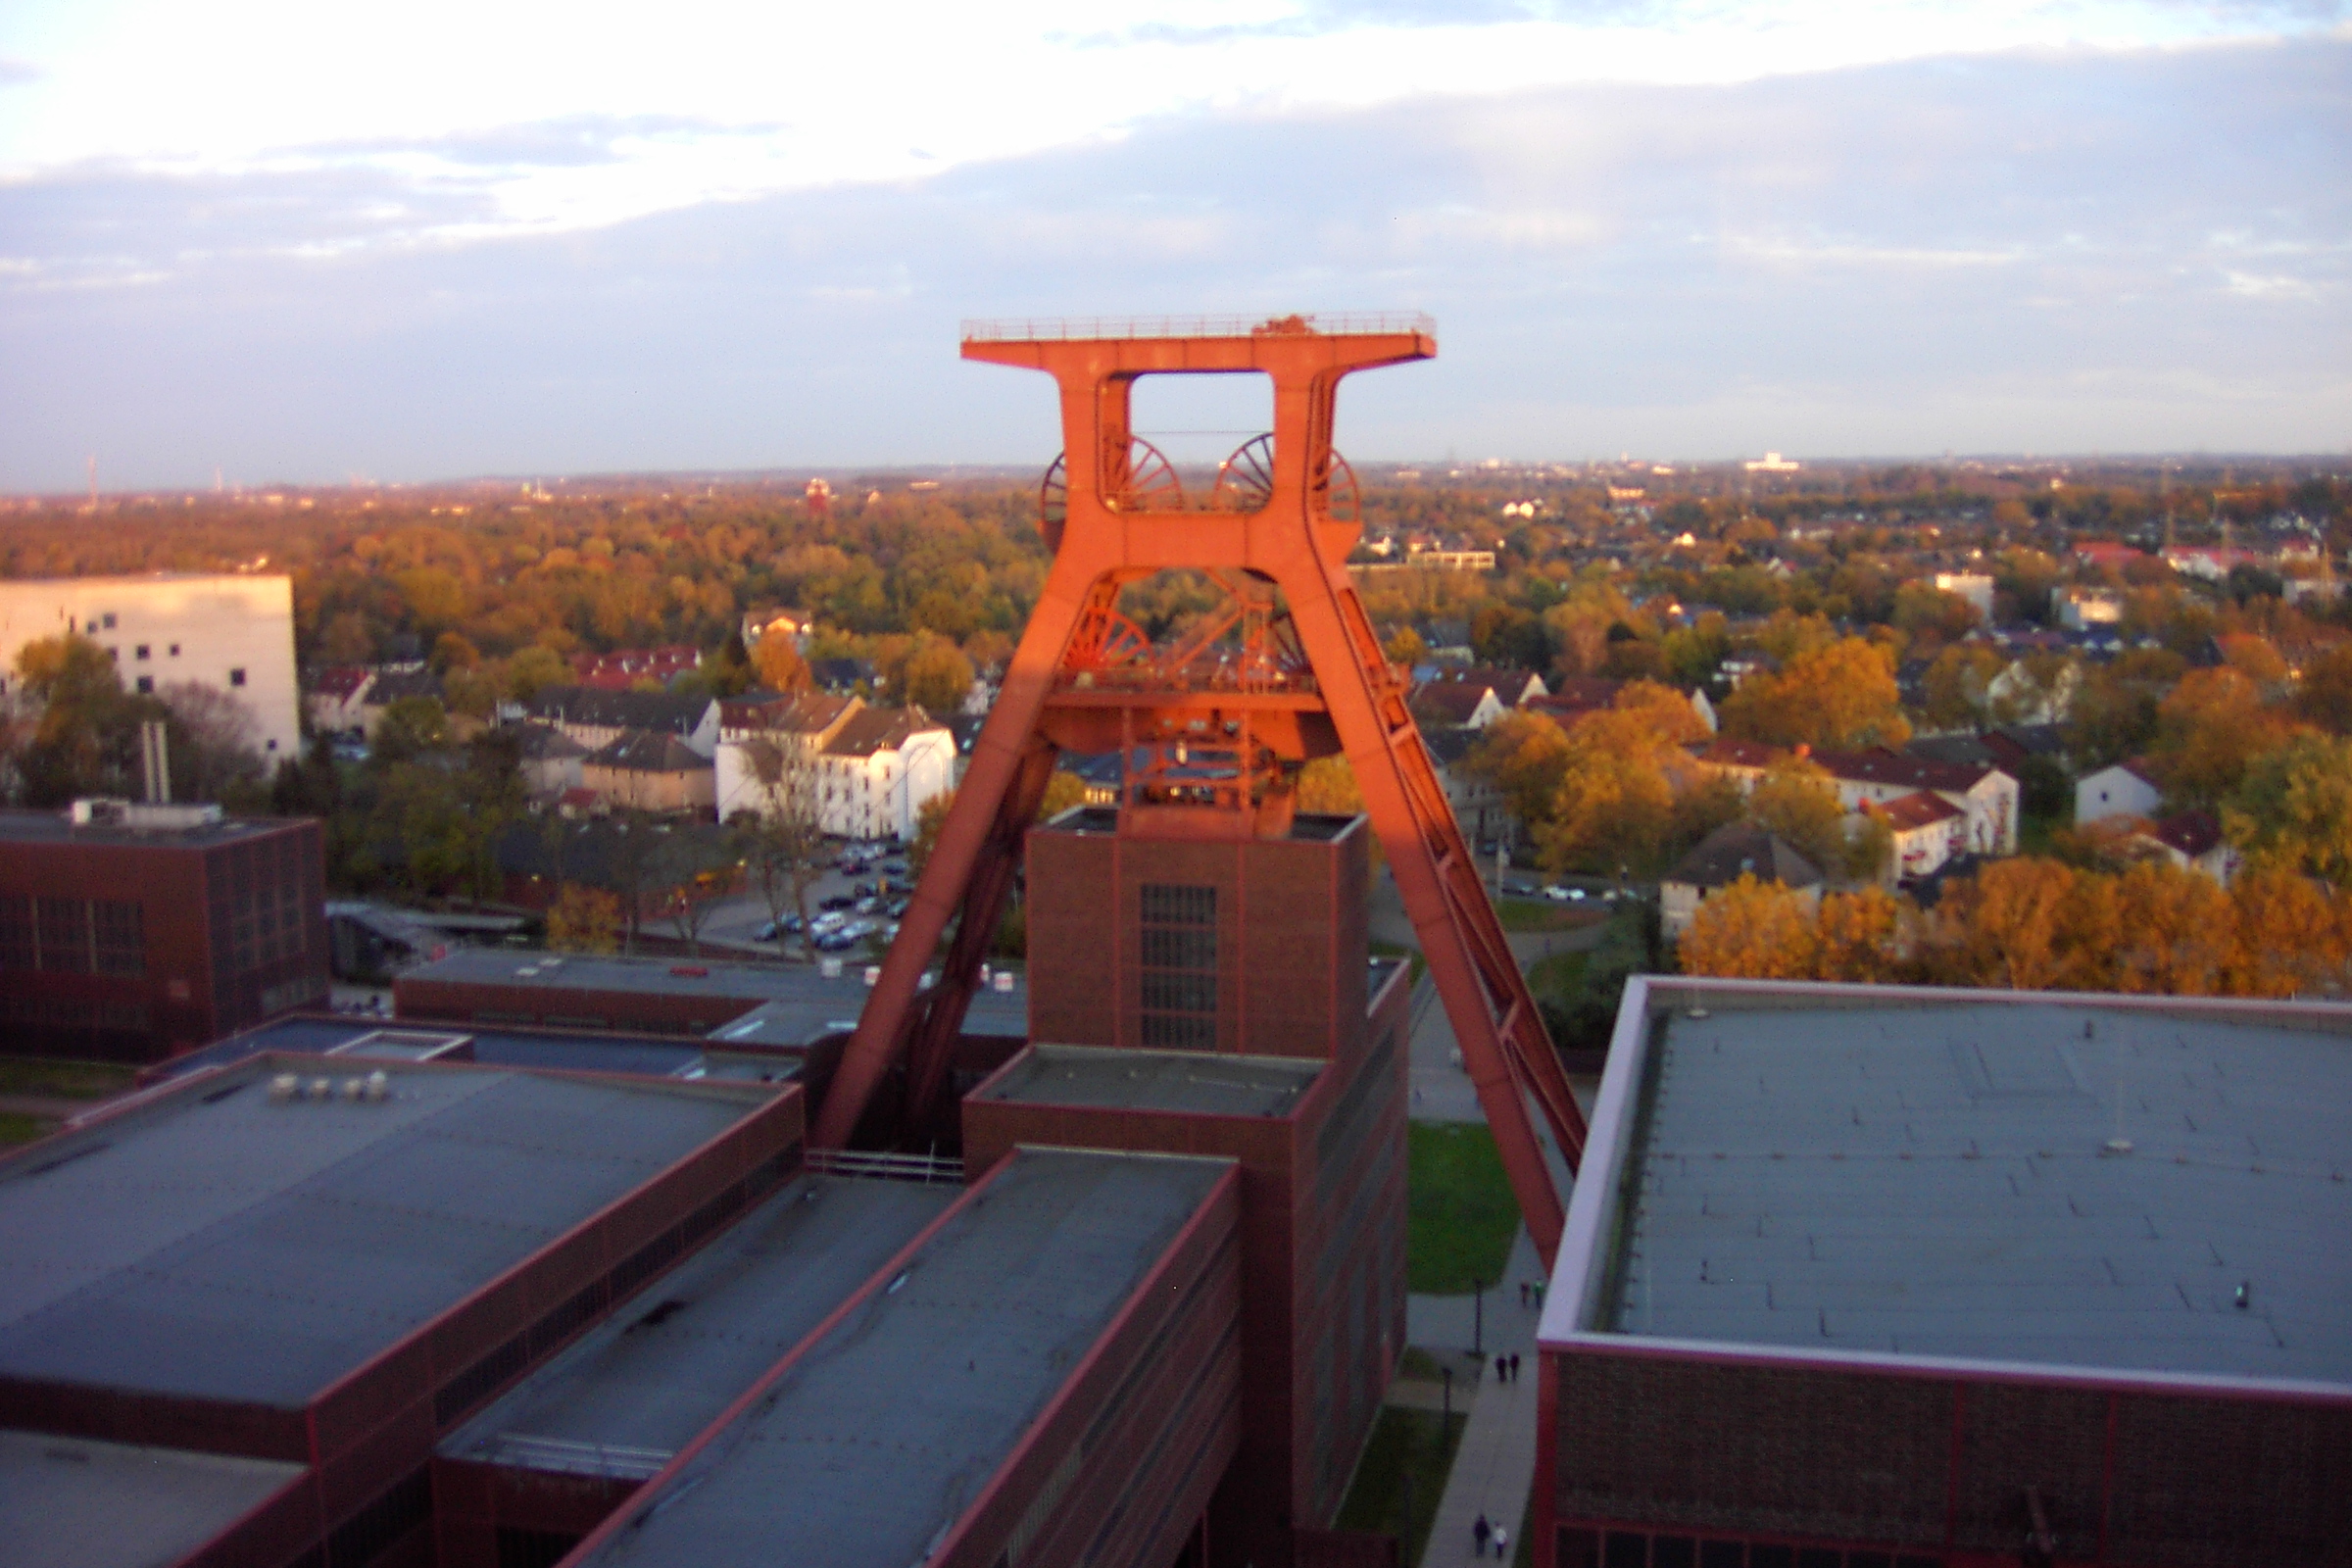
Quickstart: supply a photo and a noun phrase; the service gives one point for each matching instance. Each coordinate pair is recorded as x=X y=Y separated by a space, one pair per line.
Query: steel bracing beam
x=1108 y=538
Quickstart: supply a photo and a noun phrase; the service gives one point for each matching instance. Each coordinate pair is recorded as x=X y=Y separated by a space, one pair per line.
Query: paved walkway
x=1496 y=1461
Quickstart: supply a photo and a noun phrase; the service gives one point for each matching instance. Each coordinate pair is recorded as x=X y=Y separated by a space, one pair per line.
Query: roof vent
x=283 y=1088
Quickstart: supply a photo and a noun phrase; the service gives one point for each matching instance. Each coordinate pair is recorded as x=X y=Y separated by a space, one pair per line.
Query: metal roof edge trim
x=1576 y=1273
x=1841 y=993
x=1226 y=1189
x=779 y=1096
x=1642 y=1347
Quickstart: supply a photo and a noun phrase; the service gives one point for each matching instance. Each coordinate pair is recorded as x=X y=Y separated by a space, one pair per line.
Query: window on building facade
x=146 y=685
x=110 y=620
x=236 y=678
x=1179 y=979
x=142 y=650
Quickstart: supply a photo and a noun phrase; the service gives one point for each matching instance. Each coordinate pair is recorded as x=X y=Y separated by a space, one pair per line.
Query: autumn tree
x=780 y=837
x=1834 y=698
x=2209 y=731
x=1798 y=800
x=1328 y=785
x=778 y=660
x=1523 y=756
x=1862 y=938
x=583 y=919
x=79 y=730
x=936 y=676
x=2324 y=697
x=1956 y=689
x=1754 y=930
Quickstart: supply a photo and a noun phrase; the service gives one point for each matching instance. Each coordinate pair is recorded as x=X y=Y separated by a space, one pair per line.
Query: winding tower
x=1216 y=726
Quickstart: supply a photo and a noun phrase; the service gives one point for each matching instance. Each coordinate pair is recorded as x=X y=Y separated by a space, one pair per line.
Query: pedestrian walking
x=1502 y=1539
x=1523 y=1293
x=1514 y=1366
x=1479 y=1532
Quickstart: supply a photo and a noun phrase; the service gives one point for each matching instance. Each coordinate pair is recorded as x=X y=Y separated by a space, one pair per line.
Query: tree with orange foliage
x=2288 y=937
x=1836 y=698
x=779 y=663
x=1753 y=930
x=2210 y=730
x=1862 y=937
x=2008 y=926
x=2177 y=930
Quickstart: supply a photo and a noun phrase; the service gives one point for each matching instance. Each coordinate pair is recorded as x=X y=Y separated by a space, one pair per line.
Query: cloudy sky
x=303 y=242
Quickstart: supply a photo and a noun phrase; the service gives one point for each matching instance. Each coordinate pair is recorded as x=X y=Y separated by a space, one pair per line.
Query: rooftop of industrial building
x=666 y=1365
x=71 y=1502
x=1204 y=1084
x=1308 y=826
x=504 y=1046
x=144 y=829
x=216 y=1242
x=2083 y=1182
x=799 y=998
x=1018 y=1281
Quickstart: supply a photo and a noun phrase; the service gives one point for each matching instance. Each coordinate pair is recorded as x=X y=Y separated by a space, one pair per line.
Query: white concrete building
x=231 y=633
x=1973 y=586
x=1986 y=797
x=2081 y=609
x=877 y=771
x=2124 y=790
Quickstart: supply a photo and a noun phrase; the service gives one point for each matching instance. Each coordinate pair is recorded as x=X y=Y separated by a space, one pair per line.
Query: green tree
x=2293 y=809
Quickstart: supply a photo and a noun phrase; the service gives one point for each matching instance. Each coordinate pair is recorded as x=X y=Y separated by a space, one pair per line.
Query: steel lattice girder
x=1297 y=546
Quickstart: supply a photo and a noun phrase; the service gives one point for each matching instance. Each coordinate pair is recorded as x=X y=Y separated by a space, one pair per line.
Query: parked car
x=894 y=868
x=836 y=942
x=839 y=901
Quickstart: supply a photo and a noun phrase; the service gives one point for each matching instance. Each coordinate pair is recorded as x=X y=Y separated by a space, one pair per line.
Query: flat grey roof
x=873 y=1441
x=55 y=827
x=1100 y=1076
x=578 y=1049
x=215 y=1245
x=799 y=1005
x=1933 y=1179
x=666 y=1364
x=71 y=1502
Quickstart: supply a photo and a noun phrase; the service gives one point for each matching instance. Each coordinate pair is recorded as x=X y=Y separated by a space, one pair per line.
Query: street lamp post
x=1478 y=1316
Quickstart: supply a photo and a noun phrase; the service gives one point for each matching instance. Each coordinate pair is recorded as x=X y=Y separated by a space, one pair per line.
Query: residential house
x=2127 y=789
x=2081 y=609
x=1928 y=831
x=392 y=685
x=758 y=624
x=877 y=771
x=2193 y=841
x=551 y=760
x=1721 y=858
x=647 y=770
x=335 y=698
x=1742 y=761
x=629 y=667
x=843 y=677
x=596 y=718
x=1479 y=808
x=758 y=730
x=1449 y=703
x=1985 y=795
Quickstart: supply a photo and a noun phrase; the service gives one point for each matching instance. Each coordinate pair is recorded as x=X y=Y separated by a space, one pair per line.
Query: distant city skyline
x=506 y=239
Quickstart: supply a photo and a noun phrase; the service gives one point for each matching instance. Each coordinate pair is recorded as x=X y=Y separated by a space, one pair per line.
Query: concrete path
x=1496 y=1461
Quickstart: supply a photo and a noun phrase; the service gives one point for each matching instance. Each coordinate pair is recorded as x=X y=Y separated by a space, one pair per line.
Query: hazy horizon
x=303 y=247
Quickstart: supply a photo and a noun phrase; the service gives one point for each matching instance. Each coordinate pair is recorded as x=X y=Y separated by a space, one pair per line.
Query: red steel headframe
x=1296 y=543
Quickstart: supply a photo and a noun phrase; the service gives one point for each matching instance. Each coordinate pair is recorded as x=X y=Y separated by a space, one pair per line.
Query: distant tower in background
x=93 y=478
x=820 y=498
x=218 y=487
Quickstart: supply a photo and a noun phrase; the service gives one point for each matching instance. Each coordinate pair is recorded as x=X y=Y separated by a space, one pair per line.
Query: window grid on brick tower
x=1179 y=951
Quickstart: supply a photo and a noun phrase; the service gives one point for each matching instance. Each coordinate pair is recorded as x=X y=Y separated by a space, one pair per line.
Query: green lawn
x=1404 y=1442
x=20 y=1129
x=63 y=1080
x=1541 y=915
x=1560 y=975
x=1390 y=950
x=1460 y=1214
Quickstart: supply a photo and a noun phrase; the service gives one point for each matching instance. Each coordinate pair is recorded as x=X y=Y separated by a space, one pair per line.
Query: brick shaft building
x=133 y=932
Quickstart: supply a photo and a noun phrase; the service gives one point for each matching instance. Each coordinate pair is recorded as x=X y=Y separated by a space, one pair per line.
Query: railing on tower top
x=1342 y=323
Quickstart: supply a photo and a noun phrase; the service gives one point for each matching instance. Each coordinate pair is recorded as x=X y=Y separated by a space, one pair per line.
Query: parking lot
x=850 y=904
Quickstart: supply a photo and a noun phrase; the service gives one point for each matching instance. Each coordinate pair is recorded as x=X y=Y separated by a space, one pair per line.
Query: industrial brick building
x=132 y=932
x=1871 y=1277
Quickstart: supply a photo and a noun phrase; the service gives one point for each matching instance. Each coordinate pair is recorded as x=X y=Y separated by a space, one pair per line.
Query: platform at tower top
x=1097 y=329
